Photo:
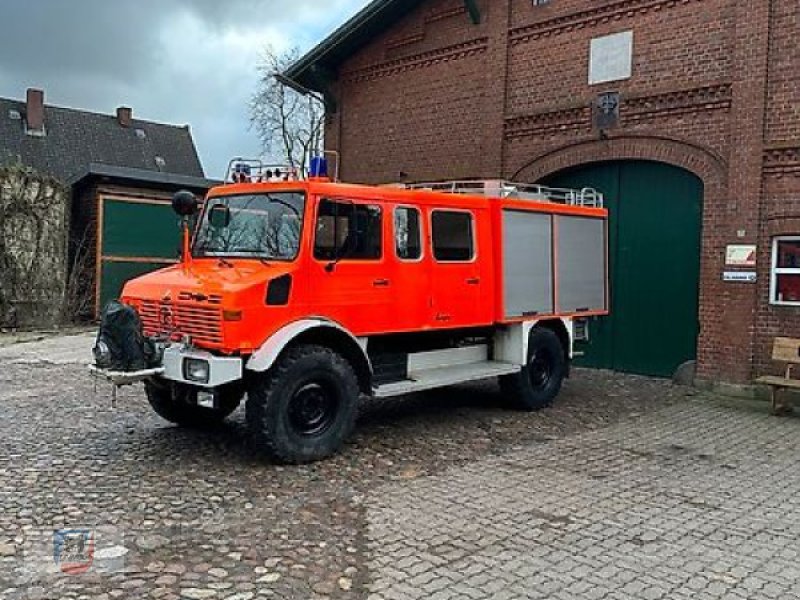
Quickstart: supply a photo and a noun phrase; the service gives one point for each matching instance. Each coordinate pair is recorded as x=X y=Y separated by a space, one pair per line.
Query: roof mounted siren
x=318 y=166
x=318 y=169
x=241 y=173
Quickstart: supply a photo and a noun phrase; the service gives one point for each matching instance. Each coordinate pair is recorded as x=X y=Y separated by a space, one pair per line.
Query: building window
x=785 y=272
x=407 y=233
x=347 y=231
x=540 y=2
x=452 y=236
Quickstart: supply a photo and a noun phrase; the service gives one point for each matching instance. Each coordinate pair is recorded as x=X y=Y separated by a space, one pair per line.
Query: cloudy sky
x=175 y=61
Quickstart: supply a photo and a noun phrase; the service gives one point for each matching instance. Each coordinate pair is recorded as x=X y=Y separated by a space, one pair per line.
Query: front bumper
x=120 y=378
x=221 y=369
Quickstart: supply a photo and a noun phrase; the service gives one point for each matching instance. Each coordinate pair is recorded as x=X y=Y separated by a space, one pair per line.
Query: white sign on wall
x=740 y=276
x=611 y=57
x=740 y=255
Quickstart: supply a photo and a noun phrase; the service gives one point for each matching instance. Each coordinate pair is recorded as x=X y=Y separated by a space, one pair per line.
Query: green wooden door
x=137 y=236
x=655 y=214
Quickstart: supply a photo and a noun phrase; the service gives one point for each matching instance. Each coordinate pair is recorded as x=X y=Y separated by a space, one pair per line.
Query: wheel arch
x=320 y=332
x=558 y=327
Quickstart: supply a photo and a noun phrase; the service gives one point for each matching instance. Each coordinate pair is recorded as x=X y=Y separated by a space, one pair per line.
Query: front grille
x=203 y=324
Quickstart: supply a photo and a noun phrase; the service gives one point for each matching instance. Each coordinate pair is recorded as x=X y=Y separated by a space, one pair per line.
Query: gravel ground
x=200 y=517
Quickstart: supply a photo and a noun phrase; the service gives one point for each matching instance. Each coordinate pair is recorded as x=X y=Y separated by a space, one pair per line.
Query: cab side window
x=346 y=230
x=453 y=236
x=407 y=233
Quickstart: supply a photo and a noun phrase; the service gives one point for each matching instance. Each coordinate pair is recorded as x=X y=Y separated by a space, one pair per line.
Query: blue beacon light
x=318 y=167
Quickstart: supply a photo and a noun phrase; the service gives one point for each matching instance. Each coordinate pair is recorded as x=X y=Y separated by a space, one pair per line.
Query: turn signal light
x=232 y=315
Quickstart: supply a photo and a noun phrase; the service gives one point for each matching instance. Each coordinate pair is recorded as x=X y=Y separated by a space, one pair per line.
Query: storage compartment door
x=580 y=264
x=527 y=263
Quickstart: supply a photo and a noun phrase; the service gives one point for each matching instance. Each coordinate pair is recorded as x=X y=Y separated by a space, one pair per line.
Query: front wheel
x=304 y=407
x=539 y=381
x=177 y=403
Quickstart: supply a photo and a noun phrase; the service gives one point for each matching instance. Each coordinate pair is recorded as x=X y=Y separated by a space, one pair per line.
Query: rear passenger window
x=407 y=233
x=452 y=236
x=347 y=231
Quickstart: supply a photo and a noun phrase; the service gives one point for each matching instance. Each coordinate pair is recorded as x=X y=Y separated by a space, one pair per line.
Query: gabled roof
x=314 y=68
x=75 y=139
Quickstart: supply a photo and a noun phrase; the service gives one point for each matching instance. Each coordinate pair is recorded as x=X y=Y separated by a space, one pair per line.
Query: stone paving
x=692 y=501
x=627 y=488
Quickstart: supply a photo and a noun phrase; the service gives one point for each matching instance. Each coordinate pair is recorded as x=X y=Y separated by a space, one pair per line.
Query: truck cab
x=305 y=295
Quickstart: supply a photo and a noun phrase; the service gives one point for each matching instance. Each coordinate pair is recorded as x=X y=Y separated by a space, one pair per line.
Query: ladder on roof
x=495 y=188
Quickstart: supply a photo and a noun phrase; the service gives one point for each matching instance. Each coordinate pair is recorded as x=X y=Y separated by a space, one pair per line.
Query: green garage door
x=655 y=213
x=137 y=236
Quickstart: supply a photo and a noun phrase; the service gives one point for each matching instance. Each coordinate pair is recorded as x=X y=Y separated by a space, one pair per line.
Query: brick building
x=685 y=112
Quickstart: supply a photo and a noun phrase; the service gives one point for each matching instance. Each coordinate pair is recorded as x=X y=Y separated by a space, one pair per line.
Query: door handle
x=443 y=317
x=473 y=281
x=381 y=283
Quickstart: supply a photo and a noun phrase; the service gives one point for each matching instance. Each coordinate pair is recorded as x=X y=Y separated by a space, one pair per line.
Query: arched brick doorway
x=696 y=163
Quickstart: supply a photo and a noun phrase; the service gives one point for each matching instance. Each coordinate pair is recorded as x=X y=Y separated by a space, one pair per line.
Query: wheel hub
x=312 y=409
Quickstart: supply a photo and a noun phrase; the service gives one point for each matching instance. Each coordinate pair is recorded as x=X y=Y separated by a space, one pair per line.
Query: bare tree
x=289 y=124
x=79 y=294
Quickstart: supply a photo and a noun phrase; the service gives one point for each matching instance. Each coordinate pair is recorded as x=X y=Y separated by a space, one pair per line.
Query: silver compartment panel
x=581 y=269
x=527 y=263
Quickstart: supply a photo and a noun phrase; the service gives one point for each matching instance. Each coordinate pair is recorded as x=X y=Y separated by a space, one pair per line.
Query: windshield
x=252 y=225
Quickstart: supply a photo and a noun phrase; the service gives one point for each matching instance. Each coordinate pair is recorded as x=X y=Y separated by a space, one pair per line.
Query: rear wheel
x=177 y=403
x=304 y=407
x=539 y=381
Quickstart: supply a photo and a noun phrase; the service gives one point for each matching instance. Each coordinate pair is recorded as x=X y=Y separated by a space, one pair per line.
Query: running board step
x=429 y=379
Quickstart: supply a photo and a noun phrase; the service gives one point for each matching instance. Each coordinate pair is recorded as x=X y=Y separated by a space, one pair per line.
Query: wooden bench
x=785 y=350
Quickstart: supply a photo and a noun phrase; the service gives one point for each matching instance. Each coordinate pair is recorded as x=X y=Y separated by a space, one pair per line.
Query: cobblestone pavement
x=692 y=501
x=627 y=488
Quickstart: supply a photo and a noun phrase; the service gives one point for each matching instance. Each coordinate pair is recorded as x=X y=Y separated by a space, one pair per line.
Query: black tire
x=177 y=403
x=538 y=383
x=304 y=408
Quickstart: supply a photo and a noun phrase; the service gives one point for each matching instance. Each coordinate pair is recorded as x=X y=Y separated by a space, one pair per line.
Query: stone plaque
x=611 y=57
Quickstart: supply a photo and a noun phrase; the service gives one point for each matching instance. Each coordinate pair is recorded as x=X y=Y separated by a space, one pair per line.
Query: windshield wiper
x=202 y=252
x=284 y=203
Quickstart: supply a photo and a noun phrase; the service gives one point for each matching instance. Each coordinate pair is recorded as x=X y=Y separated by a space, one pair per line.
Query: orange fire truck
x=305 y=295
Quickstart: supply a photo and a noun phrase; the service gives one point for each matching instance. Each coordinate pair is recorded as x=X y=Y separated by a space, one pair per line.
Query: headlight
x=195 y=369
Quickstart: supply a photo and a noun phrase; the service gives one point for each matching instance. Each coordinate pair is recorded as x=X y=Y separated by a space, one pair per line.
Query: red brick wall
x=411 y=100
x=715 y=89
x=780 y=207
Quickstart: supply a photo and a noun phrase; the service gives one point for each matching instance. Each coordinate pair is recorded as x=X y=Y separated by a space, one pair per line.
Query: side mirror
x=184 y=203
x=219 y=216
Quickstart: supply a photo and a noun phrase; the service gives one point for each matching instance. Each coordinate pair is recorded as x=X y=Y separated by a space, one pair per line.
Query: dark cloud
x=49 y=37
x=178 y=61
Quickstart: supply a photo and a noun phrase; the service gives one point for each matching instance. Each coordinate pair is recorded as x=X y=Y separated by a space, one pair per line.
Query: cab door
x=410 y=268
x=348 y=278
x=459 y=289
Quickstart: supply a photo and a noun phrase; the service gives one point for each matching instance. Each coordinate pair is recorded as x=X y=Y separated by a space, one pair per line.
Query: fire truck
x=307 y=295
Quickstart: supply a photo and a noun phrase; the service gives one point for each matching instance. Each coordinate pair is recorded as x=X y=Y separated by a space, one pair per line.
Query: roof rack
x=254 y=170
x=495 y=188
